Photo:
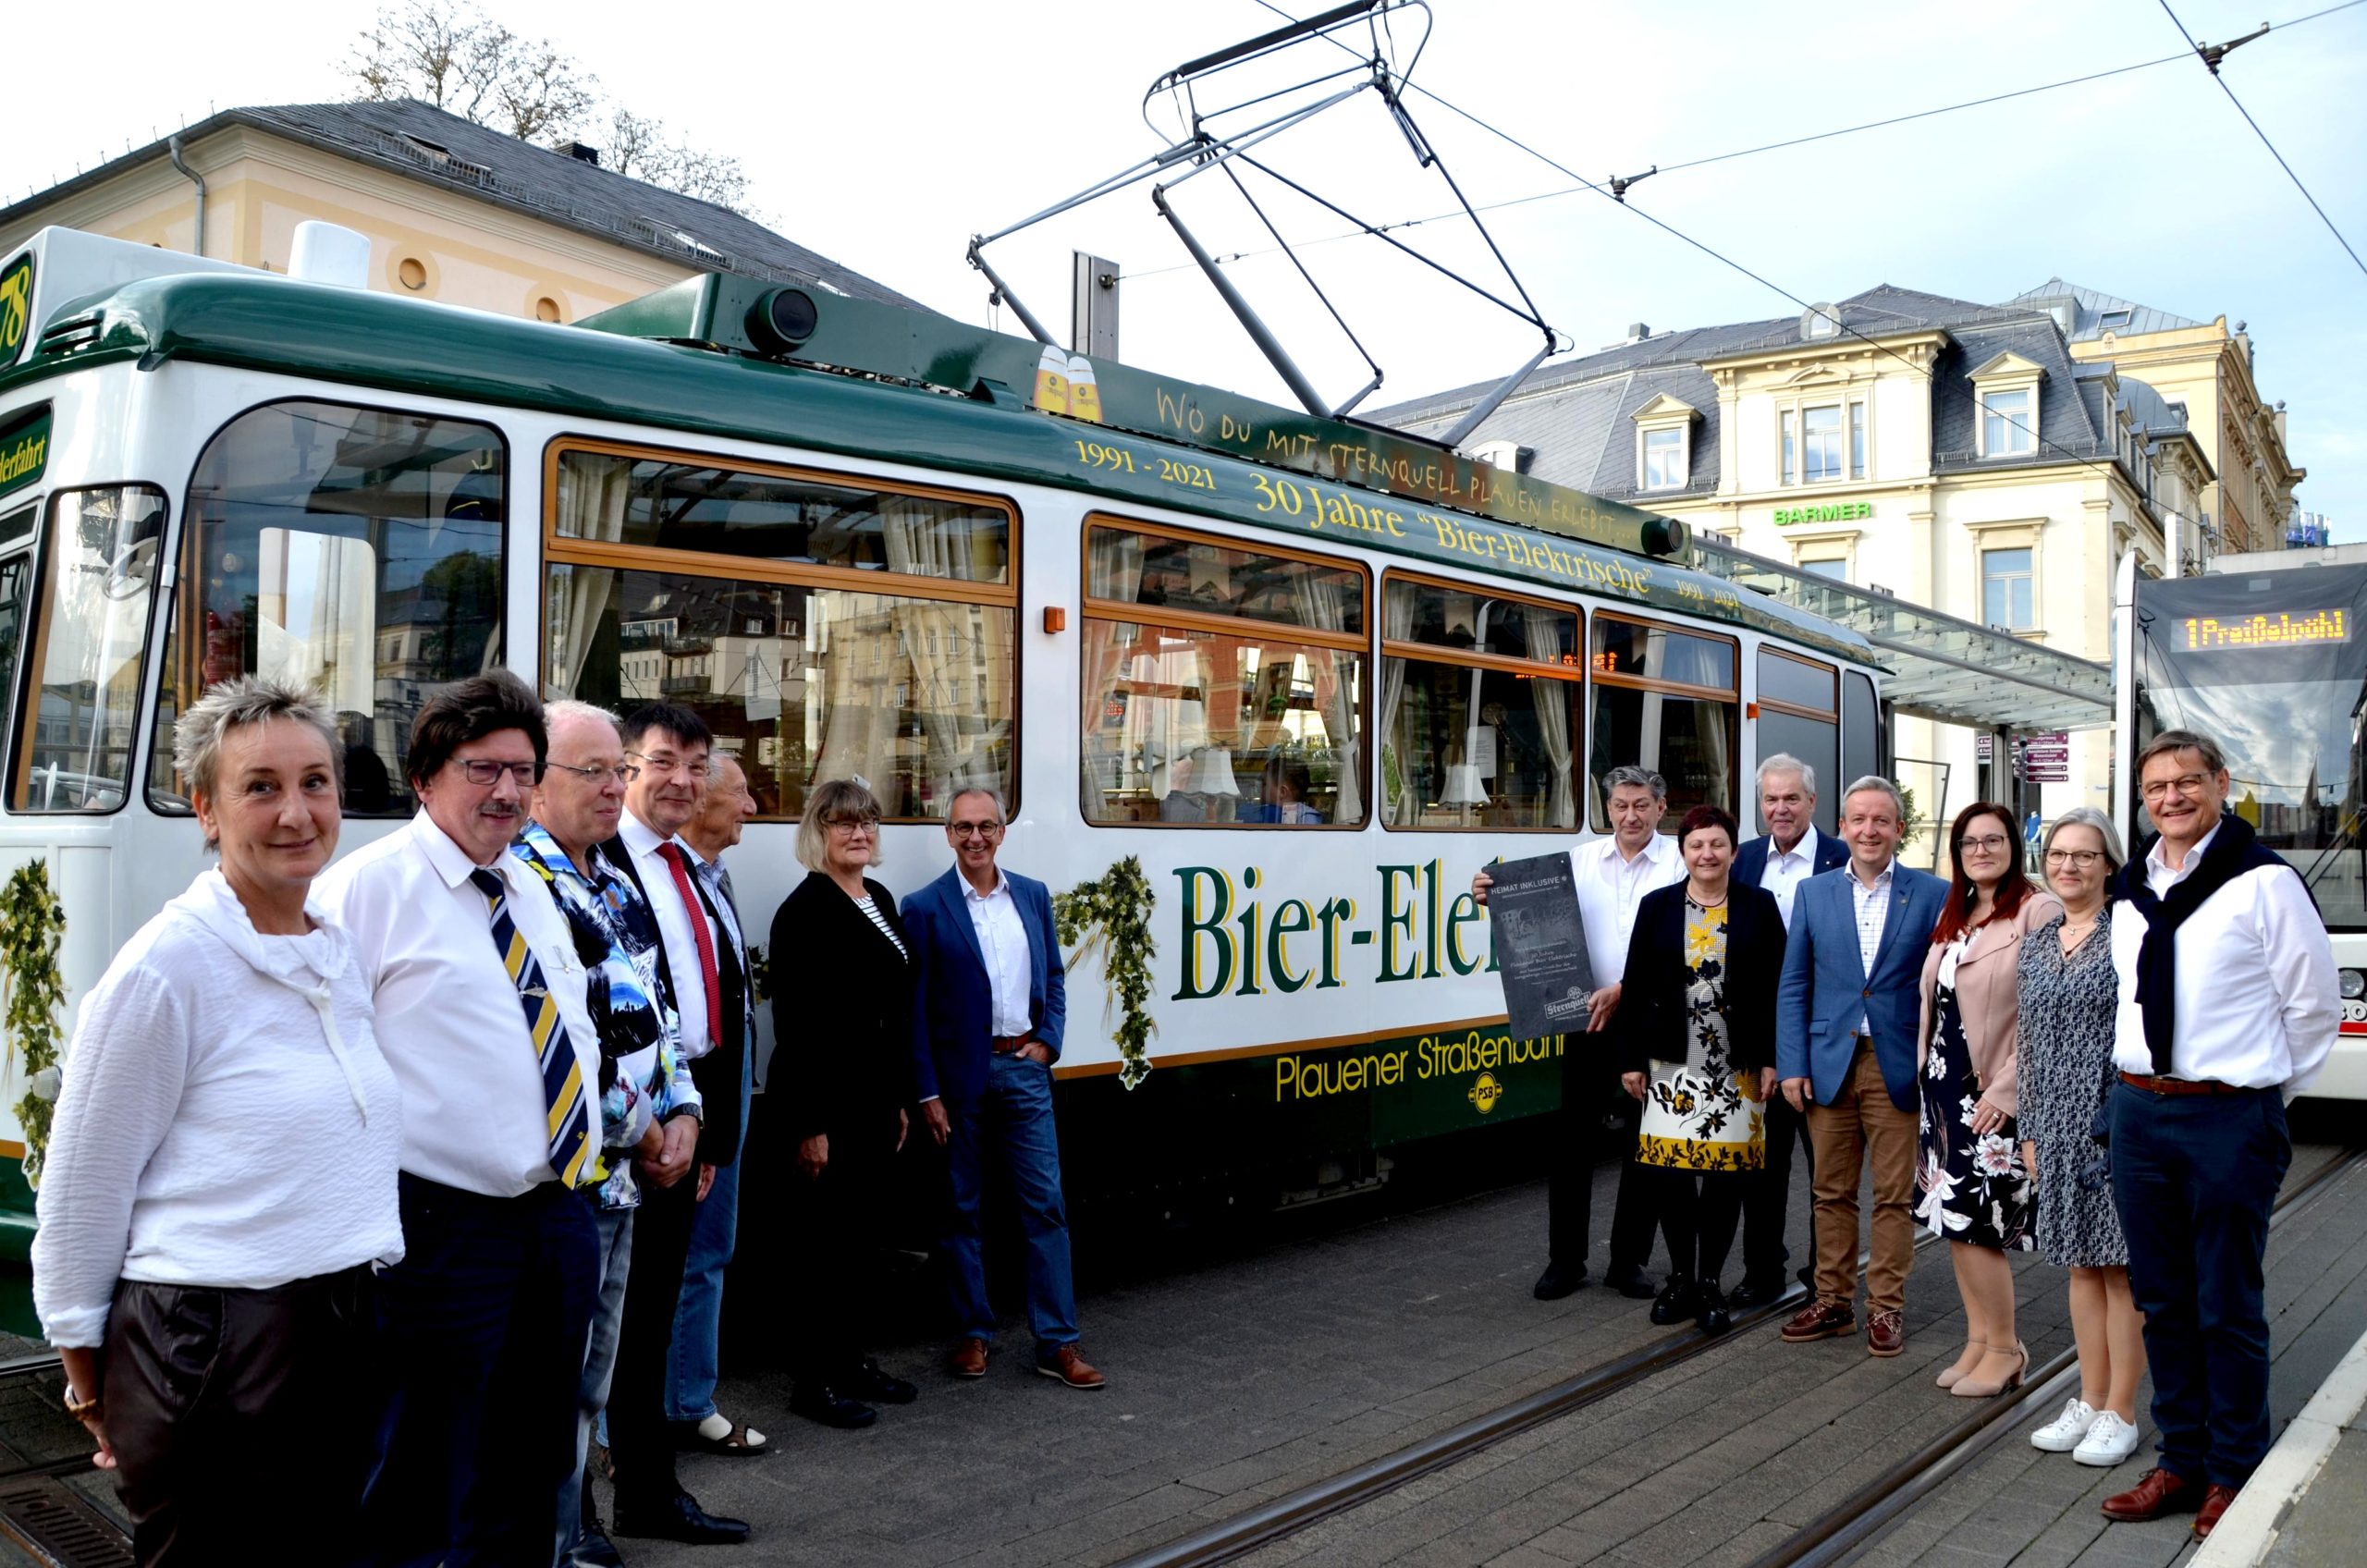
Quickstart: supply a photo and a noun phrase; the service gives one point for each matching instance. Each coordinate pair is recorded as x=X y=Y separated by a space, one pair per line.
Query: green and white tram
x=1267 y=688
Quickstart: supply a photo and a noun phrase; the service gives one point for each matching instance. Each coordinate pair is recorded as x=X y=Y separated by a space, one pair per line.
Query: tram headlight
x=2354 y=985
x=782 y=319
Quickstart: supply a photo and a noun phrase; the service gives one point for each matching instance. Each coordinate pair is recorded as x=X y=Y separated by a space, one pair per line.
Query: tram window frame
x=1828 y=760
x=1184 y=619
x=1599 y=680
x=745 y=572
x=1572 y=674
x=1860 y=755
x=34 y=662
x=399 y=807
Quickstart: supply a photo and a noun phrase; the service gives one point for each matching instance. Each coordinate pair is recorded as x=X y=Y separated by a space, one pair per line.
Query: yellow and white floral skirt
x=1696 y=1121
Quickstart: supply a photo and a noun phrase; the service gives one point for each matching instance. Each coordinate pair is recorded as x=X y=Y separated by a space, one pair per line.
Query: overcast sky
x=883 y=135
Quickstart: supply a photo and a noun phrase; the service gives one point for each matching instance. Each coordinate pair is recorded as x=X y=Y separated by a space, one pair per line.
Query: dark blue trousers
x=488 y=1319
x=2194 y=1177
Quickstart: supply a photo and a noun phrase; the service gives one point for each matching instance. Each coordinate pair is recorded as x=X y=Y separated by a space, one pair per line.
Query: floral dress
x=1700 y=1114
x=2069 y=1005
x=1973 y=1184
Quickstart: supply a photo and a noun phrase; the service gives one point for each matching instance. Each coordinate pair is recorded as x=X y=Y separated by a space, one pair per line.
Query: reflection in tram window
x=797 y=683
x=1466 y=744
x=93 y=641
x=357 y=550
x=1798 y=717
x=1195 y=712
x=1667 y=700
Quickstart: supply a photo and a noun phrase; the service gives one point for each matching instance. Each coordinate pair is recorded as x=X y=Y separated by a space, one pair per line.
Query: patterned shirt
x=1873 y=909
x=643 y=1075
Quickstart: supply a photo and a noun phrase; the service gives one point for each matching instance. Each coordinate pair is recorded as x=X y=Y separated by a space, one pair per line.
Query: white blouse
x=225 y=1119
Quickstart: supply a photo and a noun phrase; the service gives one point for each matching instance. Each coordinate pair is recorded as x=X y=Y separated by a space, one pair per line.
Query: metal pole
x=1296 y=379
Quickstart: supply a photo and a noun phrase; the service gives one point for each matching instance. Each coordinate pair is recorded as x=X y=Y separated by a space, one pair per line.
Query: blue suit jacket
x=1826 y=989
x=1750 y=860
x=953 y=1027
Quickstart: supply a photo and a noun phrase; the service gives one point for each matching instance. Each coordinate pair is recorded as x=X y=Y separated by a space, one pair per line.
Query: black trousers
x=1698 y=1212
x=641 y=1440
x=833 y=1230
x=487 y=1318
x=1767 y=1196
x=207 y=1390
x=1588 y=1087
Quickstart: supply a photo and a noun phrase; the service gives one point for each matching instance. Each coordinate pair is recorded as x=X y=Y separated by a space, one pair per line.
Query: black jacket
x=842 y=1044
x=1649 y=1024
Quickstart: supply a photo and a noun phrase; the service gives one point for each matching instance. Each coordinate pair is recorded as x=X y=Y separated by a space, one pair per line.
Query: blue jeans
x=615 y=1226
x=1014 y=1114
x=2194 y=1177
x=691 y=1375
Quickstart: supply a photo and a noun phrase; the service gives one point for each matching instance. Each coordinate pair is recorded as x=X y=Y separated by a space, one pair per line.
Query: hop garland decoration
x=33 y=923
x=1111 y=917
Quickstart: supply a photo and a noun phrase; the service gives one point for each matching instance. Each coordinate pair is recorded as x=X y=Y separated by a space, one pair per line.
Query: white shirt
x=2257 y=1003
x=1873 y=912
x=674 y=927
x=1786 y=869
x=1611 y=886
x=1002 y=942
x=225 y=1119
x=450 y=1020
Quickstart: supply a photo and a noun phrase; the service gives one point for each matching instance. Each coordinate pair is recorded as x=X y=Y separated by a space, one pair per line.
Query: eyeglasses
x=852 y=823
x=2080 y=858
x=974 y=830
x=668 y=765
x=623 y=772
x=484 y=770
x=2185 y=784
x=1987 y=846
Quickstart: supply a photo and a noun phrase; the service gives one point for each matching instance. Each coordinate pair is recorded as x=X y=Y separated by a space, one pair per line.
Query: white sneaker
x=2108 y=1442
x=2063 y=1434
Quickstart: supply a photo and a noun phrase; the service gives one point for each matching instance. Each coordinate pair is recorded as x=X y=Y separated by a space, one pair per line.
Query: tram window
x=1861 y=729
x=677 y=502
x=1466 y=743
x=1193 y=714
x=89 y=648
x=798 y=682
x=1797 y=718
x=355 y=550
x=1664 y=699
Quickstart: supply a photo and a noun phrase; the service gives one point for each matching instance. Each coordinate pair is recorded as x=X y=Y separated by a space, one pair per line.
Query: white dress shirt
x=2257 y=1003
x=1786 y=869
x=1002 y=942
x=1611 y=886
x=450 y=1021
x=1873 y=912
x=674 y=928
x=225 y=1119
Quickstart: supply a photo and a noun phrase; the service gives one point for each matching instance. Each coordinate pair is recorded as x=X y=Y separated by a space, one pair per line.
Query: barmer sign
x=1836 y=511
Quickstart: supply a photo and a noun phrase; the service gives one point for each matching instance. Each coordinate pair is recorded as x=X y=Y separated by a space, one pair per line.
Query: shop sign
x=1838 y=511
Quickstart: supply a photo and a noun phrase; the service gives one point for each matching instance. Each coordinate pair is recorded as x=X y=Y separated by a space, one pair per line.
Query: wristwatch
x=82 y=1409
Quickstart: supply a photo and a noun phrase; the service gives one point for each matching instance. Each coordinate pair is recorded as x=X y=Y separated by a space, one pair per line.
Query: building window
x=1791 y=468
x=1665 y=465
x=1821 y=443
x=2005 y=589
x=1856 y=440
x=1834 y=568
x=2006 y=425
x=2114 y=319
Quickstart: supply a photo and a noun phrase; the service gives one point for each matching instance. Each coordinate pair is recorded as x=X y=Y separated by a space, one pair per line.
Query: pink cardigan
x=1989 y=995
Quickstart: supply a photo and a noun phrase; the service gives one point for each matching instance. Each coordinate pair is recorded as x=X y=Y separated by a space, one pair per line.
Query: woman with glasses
x=1976 y=1191
x=2070 y=1004
x=842 y=1076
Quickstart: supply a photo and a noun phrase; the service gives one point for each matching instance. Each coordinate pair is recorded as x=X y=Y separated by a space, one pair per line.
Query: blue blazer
x=1750 y=860
x=1826 y=989
x=954 y=1022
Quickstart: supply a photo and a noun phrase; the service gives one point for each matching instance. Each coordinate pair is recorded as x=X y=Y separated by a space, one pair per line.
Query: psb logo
x=16 y=307
x=1065 y=384
x=1485 y=1092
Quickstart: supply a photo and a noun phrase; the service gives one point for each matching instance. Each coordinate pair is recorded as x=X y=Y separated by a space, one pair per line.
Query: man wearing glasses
x=703 y=971
x=2228 y=1008
x=482 y=1012
x=993 y=1001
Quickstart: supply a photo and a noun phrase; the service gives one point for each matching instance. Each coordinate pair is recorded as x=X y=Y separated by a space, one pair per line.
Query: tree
x=463 y=62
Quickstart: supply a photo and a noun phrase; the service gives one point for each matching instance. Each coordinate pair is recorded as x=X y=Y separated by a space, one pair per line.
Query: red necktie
x=675 y=863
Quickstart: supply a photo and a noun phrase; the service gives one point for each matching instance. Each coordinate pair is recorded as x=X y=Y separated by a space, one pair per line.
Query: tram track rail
x=1832 y=1537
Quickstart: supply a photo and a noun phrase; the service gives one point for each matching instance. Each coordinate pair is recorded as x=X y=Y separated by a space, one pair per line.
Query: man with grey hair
x=1848 y=1015
x=991 y=1008
x=1612 y=876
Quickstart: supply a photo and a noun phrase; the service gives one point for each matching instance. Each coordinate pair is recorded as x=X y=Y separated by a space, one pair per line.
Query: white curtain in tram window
x=1396 y=624
x=860 y=672
x=1552 y=699
x=1717 y=753
x=934 y=539
x=1113 y=569
x=594 y=491
x=1327 y=601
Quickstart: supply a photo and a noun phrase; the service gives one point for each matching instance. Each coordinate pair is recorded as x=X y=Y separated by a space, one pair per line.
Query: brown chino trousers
x=1862 y=1123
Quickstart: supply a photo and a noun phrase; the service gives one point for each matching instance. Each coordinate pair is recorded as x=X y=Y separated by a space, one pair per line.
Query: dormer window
x=1819 y=321
x=2114 y=319
x=1664 y=443
x=1664 y=459
x=2006 y=389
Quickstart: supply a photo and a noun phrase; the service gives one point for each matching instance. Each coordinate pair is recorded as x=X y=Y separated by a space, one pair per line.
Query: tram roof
x=349 y=336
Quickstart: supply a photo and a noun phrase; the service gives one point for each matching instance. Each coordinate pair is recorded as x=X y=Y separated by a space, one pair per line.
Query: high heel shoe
x=1950 y=1375
x=1967 y=1388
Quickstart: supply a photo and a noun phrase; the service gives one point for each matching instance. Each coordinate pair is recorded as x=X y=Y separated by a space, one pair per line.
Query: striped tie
x=569 y=1127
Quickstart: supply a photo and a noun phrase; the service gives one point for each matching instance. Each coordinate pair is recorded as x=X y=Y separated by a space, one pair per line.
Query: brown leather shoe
x=1885 y=1333
x=968 y=1360
x=2158 y=1491
x=1071 y=1368
x=1821 y=1320
x=2215 y=1502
